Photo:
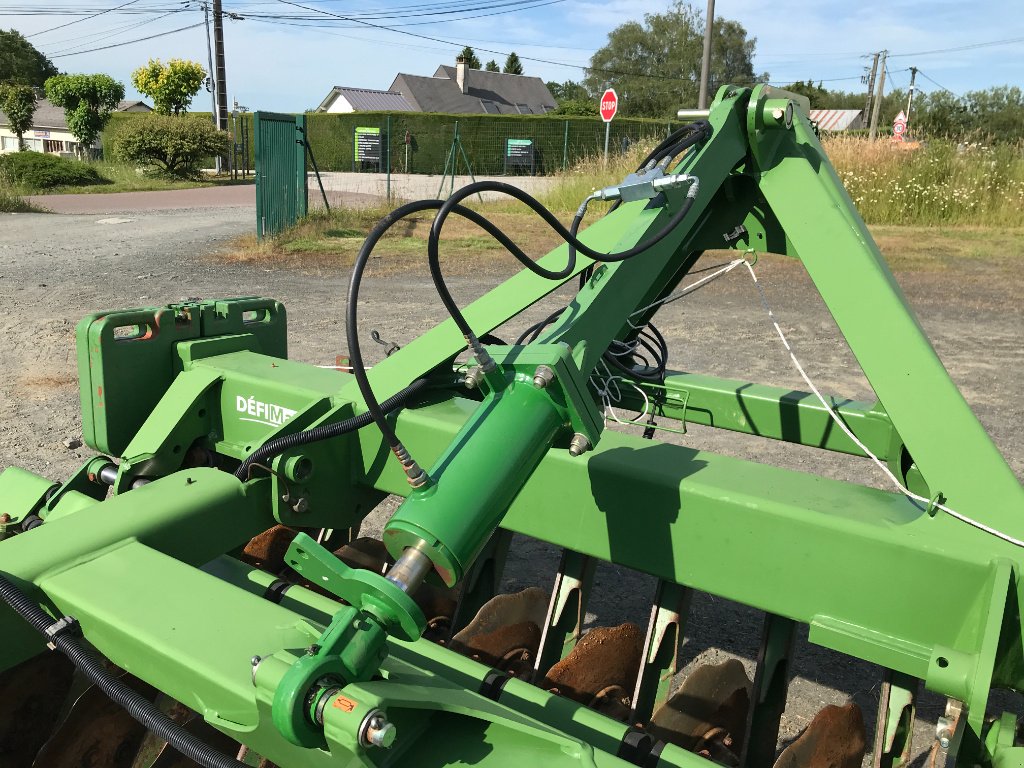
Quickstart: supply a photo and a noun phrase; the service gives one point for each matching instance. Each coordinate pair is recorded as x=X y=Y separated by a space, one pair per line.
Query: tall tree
x=18 y=102
x=492 y=66
x=87 y=101
x=469 y=56
x=171 y=85
x=655 y=66
x=513 y=66
x=570 y=89
x=20 y=62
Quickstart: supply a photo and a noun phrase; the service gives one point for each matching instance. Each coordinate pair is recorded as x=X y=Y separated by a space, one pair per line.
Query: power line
x=61 y=26
x=129 y=42
x=962 y=48
x=83 y=41
x=922 y=74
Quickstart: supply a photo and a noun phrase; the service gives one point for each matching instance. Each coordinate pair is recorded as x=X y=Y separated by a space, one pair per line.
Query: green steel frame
x=873 y=574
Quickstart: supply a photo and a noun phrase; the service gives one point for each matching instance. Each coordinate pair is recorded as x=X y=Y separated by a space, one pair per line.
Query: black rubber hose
x=433 y=243
x=374 y=408
x=140 y=708
x=279 y=445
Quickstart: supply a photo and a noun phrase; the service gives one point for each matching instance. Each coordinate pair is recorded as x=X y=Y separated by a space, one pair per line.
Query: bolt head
x=384 y=736
x=301 y=505
x=944 y=743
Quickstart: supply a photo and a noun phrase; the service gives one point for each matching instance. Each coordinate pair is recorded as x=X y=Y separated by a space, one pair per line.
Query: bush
x=35 y=170
x=172 y=145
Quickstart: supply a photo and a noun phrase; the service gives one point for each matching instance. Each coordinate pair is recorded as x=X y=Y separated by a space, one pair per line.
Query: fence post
x=261 y=183
x=301 y=193
x=565 y=148
x=389 y=159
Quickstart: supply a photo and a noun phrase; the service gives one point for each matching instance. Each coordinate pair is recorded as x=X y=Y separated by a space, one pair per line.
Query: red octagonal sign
x=609 y=105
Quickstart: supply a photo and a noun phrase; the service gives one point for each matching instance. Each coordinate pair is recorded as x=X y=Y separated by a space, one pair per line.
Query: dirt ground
x=54 y=270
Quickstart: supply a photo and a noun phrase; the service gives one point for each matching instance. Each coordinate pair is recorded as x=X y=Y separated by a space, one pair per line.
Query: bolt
x=543 y=376
x=778 y=113
x=313 y=650
x=580 y=444
x=5 y=518
x=301 y=505
x=944 y=739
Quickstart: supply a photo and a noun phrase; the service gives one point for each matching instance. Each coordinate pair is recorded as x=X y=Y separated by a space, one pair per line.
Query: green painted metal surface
x=281 y=194
x=934 y=599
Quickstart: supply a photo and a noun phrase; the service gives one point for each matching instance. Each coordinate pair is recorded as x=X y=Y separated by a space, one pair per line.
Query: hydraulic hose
x=377 y=413
x=140 y=708
x=433 y=243
x=279 y=445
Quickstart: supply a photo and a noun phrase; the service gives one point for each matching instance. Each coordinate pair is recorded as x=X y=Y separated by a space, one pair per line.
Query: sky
x=288 y=64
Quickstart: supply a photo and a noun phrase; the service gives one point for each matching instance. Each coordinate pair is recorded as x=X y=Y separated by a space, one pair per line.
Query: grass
x=11 y=200
x=125 y=178
x=926 y=206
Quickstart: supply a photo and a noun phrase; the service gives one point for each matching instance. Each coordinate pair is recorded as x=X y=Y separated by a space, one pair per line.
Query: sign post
x=899 y=127
x=609 y=106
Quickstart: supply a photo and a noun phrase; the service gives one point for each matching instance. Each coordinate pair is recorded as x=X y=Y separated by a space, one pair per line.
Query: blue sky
x=275 y=65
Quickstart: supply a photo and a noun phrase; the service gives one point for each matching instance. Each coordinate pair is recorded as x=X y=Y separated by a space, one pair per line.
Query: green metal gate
x=280 y=171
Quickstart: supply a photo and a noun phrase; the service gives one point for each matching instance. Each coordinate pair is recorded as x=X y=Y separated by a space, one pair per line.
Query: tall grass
x=11 y=200
x=934 y=183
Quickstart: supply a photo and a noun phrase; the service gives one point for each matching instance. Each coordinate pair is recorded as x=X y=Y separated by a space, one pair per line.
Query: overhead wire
x=129 y=42
x=77 y=21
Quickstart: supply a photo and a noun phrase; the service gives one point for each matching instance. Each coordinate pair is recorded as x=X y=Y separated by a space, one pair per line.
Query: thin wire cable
x=128 y=42
x=684 y=291
x=960 y=48
x=940 y=85
x=856 y=441
x=76 y=21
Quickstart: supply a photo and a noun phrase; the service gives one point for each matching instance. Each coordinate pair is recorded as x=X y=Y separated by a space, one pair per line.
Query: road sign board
x=609 y=105
x=898 y=128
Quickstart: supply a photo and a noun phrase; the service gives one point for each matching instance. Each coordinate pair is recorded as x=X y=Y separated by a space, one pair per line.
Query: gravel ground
x=54 y=270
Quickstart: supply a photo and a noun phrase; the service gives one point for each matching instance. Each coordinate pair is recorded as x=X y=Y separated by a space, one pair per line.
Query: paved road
x=235 y=196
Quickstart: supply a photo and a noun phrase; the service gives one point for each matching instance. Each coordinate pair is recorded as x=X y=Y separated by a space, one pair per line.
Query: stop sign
x=609 y=105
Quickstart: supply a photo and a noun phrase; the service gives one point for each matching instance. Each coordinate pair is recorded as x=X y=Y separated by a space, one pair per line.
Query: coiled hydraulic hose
x=279 y=445
x=140 y=708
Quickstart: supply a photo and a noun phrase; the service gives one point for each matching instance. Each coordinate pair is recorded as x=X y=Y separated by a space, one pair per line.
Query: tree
x=18 y=102
x=492 y=66
x=174 y=145
x=570 y=89
x=469 y=56
x=513 y=66
x=87 y=101
x=583 y=107
x=21 y=63
x=171 y=85
x=655 y=66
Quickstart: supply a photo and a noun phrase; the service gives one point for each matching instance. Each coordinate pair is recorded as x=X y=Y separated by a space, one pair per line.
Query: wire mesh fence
x=485 y=145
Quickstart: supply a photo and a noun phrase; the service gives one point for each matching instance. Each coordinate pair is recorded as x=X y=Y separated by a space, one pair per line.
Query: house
x=457 y=89
x=838 y=119
x=49 y=131
x=342 y=99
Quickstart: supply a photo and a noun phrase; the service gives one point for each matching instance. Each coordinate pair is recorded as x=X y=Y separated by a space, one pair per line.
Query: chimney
x=460 y=73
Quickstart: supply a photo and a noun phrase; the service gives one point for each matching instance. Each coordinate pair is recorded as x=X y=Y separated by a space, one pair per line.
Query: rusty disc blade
x=32 y=695
x=528 y=606
x=835 y=738
x=367 y=553
x=266 y=550
x=604 y=657
x=707 y=710
x=97 y=733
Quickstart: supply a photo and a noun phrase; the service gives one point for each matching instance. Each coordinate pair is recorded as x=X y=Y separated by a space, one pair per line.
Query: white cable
x=684 y=291
x=849 y=433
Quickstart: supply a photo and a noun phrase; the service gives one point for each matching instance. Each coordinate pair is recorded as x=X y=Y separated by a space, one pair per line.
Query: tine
x=506 y=631
x=768 y=696
x=564 y=623
x=661 y=649
x=484 y=579
x=894 y=728
x=835 y=738
x=713 y=699
x=32 y=695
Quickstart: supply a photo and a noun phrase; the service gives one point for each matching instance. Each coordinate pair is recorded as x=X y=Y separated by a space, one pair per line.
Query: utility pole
x=877 y=111
x=910 y=97
x=222 y=82
x=871 y=90
x=705 y=64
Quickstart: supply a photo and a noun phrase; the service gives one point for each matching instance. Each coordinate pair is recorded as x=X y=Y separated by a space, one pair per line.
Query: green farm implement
x=199 y=593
